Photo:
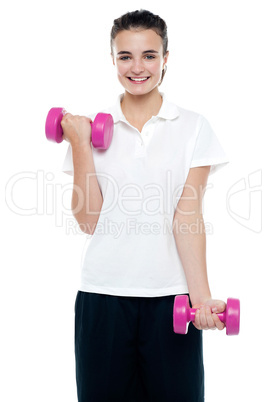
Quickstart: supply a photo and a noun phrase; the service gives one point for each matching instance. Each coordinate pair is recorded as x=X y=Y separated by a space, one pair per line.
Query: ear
x=112 y=57
x=165 y=59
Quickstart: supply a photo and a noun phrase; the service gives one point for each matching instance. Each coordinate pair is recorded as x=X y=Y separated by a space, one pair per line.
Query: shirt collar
x=168 y=110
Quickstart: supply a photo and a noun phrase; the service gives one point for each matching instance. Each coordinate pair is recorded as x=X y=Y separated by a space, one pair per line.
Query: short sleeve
x=68 y=164
x=208 y=150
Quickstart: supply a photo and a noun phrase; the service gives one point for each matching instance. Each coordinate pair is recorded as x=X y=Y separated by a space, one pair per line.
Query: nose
x=137 y=66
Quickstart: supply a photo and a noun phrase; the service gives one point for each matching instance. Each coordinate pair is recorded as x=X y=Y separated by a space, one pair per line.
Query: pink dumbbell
x=183 y=314
x=102 y=128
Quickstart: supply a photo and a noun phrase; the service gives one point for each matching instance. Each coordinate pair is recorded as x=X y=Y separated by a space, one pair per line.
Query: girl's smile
x=138 y=80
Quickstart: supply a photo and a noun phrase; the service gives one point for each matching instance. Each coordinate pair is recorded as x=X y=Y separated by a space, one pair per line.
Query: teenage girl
x=141 y=202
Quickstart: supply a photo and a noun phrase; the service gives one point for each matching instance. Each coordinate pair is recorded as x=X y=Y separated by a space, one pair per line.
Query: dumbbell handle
x=192 y=314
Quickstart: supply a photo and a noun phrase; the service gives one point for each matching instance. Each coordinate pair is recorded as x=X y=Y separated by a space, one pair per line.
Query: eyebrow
x=146 y=51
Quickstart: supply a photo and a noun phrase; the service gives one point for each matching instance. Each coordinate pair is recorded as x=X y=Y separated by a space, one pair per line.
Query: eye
x=149 y=57
x=124 y=58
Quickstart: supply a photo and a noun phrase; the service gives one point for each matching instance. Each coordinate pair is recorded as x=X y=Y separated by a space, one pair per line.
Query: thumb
x=217 y=306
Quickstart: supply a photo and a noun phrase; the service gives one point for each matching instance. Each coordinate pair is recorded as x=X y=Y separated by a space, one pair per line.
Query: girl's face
x=138 y=56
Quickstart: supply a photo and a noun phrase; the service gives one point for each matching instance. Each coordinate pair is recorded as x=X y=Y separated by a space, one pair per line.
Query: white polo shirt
x=141 y=176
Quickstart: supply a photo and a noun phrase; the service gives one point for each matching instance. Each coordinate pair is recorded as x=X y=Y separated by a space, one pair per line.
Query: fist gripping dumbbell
x=102 y=128
x=183 y=314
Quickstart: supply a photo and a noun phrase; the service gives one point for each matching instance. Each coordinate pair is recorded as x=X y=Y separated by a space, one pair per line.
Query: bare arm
x=190 y=238
x=87 y=198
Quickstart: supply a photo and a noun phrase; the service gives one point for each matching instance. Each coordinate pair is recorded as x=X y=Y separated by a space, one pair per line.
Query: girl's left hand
x=206 y=317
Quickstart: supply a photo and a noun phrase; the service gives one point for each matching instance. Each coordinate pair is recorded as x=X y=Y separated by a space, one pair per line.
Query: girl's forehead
x=138 y=39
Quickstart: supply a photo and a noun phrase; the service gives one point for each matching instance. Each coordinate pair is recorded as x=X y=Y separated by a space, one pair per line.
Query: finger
x=66 y=115
x=218 y=307
x=86 y=119
x=209 y=317
x=203 y=318
x=65 y=118
x=218 y=323
x=197 y=320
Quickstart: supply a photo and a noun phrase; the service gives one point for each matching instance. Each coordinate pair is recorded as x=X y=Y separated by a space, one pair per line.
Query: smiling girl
x=125 y=347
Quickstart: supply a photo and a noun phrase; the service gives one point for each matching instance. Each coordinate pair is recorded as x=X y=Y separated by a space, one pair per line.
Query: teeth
x=138 y=79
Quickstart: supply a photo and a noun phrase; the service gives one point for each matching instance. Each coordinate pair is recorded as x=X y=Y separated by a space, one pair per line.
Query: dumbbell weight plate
x=102 y=130
x=180 y=314
x=53 y=129
x=232 y=317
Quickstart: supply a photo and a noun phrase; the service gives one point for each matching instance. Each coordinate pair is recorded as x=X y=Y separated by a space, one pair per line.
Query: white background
x=56 y=53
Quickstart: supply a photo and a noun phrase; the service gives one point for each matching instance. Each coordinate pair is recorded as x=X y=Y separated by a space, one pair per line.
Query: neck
x=141 y=107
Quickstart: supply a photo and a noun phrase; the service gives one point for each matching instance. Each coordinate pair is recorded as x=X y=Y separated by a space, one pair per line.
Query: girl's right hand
x=76 y=129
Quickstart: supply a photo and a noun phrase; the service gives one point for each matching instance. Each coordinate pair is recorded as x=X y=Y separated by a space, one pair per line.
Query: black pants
x=126 y=351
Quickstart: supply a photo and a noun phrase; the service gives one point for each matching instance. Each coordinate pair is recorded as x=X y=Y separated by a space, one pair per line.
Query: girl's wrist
x=81 y=145
x=200 y=300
